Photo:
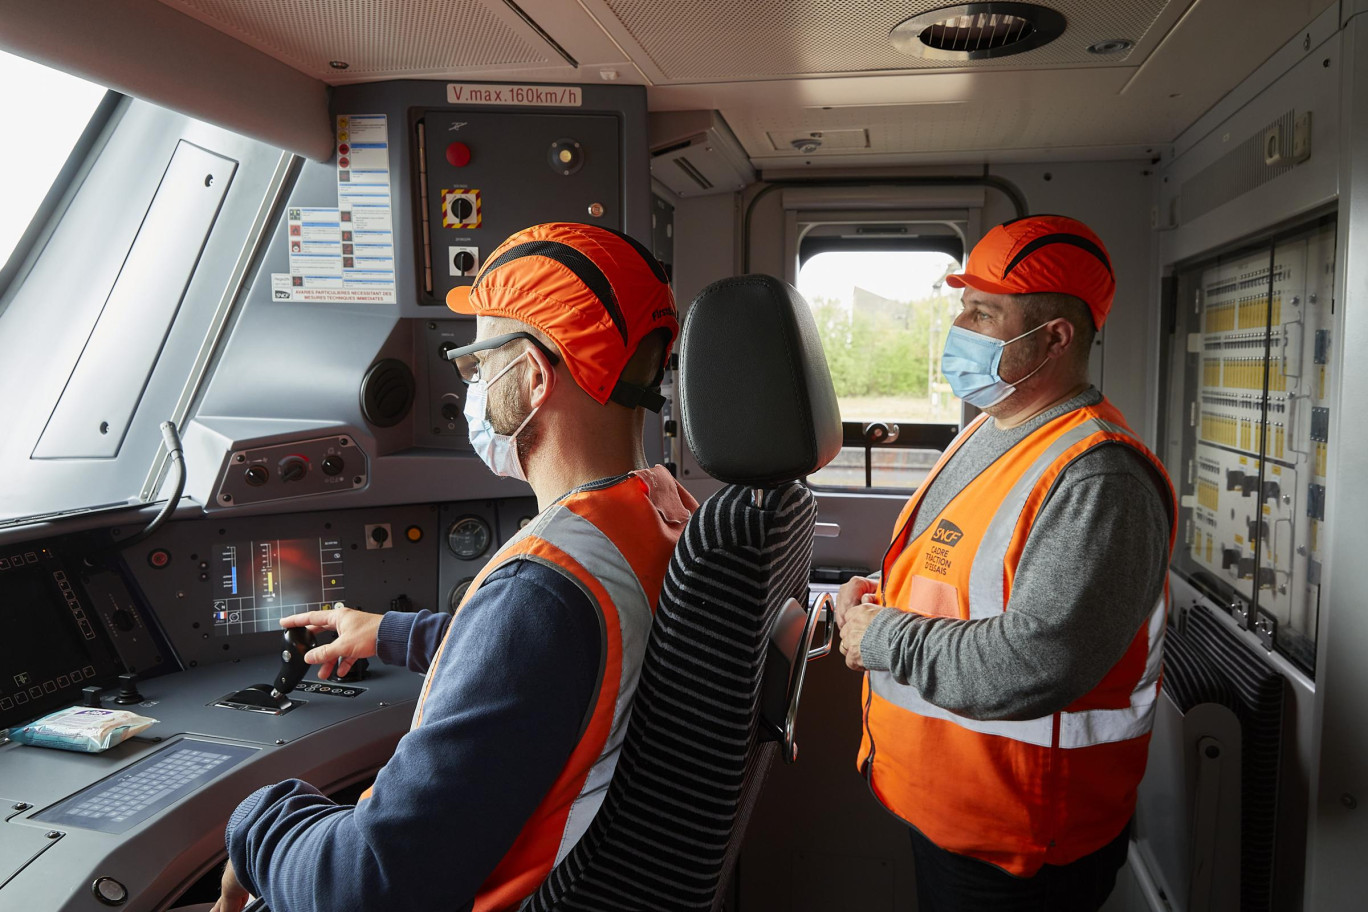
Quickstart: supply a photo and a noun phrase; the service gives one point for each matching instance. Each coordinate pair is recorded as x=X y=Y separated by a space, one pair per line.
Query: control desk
x=187 y=618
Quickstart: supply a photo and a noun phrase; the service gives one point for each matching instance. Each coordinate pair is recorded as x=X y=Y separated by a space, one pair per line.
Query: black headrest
x=755 y=391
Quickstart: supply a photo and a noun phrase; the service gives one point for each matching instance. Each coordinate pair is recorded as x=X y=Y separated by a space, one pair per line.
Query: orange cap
x=1042 y=253
x=593 y=291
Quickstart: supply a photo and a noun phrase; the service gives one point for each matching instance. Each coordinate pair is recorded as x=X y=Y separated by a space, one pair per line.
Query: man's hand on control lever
x=356 y=636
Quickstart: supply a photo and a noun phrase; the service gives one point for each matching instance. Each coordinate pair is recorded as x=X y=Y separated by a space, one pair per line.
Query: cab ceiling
x=779 y=71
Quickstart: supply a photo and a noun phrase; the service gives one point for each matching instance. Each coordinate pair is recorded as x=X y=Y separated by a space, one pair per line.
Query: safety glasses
x=468 y=365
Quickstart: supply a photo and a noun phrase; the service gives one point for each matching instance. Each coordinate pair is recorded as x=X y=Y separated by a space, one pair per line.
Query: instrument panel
x=194 y=612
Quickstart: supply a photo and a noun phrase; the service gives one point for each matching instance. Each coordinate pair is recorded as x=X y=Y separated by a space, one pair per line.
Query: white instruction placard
x=346 y=254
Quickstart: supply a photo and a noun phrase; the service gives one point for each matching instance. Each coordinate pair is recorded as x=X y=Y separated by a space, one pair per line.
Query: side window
x=46 y=119
x=883 y=315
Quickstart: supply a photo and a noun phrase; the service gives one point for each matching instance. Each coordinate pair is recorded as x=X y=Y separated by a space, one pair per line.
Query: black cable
x=177 y=454
x=1003 y=186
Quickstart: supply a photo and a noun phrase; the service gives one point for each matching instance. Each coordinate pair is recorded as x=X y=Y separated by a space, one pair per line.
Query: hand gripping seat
x=759 y=413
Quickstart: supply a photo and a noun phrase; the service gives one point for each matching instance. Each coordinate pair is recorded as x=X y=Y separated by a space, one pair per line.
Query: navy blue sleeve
x=505 y=708
x=410 y=638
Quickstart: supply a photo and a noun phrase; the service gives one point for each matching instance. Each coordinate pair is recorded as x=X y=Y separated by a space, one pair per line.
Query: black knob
x=451 y=411
x=293 y=468
x=298 y=641
x=128 y=690
x=463 y=261
x=379 y=535
x=357 y=672
x=90 y=696
x=333 y=465
x=256 y=476
x=124 y=620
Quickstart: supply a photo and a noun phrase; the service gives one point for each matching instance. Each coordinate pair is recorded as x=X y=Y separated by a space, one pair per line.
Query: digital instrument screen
x=49 y=649
x=257 y=583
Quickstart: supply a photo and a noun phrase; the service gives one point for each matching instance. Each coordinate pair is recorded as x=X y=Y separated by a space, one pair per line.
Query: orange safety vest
x=615 y=543
x=1016 y=794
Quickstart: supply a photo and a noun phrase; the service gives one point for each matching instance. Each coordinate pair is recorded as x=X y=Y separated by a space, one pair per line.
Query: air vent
x=694 y=154
x=387 y=392
x=977 y=31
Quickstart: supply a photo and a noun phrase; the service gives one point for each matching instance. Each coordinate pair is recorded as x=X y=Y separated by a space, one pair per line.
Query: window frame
x=870 y=435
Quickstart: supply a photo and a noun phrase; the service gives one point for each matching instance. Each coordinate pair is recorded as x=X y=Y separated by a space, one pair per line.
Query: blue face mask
x=498 y=451
x=971 y=362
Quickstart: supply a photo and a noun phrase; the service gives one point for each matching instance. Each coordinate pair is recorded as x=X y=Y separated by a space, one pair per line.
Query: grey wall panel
x=1312 y=85
x=148 y=50
x=49 y=318
x=1112 y=198
x=1339 y=825
x=93 y=414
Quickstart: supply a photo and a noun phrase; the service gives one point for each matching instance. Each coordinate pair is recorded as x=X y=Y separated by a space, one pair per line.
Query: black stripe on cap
x=1046 y=240
x=646 y=255
x=584 y=269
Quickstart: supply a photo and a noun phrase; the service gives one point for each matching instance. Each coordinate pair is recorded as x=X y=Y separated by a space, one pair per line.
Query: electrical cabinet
x=1247 y=430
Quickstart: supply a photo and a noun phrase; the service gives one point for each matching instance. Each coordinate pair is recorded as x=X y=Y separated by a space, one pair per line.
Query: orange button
x=414 y=533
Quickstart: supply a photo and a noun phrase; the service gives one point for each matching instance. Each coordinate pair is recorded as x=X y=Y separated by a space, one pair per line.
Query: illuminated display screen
x=257 y=583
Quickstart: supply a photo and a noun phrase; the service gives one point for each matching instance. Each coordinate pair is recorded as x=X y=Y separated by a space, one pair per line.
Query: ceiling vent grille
x=977 y=31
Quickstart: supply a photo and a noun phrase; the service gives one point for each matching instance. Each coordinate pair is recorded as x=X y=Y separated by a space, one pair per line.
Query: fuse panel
x=1248 y=432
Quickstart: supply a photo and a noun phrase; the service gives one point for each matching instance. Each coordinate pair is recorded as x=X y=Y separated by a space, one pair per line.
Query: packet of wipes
x=78 y=728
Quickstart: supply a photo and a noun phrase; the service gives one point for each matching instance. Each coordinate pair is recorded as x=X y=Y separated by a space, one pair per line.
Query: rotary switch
x=293 y=468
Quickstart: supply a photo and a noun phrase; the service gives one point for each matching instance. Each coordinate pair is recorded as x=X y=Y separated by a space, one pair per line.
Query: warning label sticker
x=346 y=254
x=461 y=208
x=554 y=96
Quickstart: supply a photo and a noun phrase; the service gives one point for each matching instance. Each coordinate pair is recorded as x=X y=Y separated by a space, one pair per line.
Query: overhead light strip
x=532 y=24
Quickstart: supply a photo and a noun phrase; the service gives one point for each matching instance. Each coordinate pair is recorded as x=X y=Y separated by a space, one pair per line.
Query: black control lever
x=274 y=697
x=298 y=641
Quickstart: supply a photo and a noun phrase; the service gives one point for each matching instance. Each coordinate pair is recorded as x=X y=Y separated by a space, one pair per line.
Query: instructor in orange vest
x=528 y=688
x=1012 y=642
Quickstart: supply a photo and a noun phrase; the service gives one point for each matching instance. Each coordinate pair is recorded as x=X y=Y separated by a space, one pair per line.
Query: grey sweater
x=1092 y=569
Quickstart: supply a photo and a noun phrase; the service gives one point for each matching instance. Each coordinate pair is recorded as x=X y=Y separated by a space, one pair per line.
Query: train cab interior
x=230 y=231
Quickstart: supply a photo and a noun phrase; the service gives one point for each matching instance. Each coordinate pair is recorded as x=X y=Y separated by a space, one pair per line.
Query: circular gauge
x=458 y=592
x=469 y=537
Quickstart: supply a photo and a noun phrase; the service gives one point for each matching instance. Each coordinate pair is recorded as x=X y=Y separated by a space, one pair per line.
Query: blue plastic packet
x=80 y=728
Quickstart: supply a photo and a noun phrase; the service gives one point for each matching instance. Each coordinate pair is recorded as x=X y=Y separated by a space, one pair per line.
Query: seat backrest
x=759 y=412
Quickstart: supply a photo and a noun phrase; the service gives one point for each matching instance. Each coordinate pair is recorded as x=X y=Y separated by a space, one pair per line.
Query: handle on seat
x=804 y=654
x=824 y=605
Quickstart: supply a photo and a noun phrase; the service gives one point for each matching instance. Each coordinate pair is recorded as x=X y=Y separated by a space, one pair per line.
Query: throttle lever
x=298 y=641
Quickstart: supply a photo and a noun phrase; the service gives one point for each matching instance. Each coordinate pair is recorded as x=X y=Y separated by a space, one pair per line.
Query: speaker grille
x=387 y=392
x=1237 y=172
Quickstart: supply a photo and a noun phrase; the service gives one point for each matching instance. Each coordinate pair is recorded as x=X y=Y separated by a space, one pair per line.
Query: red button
x=344 y=148
x=343 y=162
x=159 y=558
x=458 y=154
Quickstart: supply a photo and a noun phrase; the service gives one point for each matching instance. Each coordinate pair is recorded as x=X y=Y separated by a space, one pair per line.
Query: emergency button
x=458 y=154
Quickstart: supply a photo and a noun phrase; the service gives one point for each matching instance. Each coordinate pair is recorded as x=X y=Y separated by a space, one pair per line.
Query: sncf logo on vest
x=947 y=533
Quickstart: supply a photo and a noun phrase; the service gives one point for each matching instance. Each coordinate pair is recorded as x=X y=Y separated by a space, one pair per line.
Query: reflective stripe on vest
x=1076 y=729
